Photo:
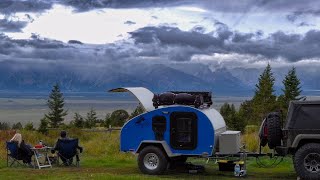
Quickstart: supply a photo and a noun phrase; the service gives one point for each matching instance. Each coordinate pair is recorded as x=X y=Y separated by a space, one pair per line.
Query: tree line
x=56 y=116
x=264 y=100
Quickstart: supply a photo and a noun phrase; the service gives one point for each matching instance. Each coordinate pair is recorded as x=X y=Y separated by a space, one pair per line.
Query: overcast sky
x=218 y=33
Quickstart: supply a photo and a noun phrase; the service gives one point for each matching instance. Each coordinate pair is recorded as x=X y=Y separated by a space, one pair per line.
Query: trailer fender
x=161 y=144
x=301 y=137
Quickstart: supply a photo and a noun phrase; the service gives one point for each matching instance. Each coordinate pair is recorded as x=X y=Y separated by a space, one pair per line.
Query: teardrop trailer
x=178 y=125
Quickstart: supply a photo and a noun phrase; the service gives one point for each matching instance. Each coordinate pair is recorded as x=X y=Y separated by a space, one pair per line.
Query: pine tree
x=78 y=120
x=232 y=118
x=56 y=104
x=107 y=120
x=43 y=127
x=91 y=118
x=292 y=88
x=264 y=100
x=139 y=110
x=291 y=91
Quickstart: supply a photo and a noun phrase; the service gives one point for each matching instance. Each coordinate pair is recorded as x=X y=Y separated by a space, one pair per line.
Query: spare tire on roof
x=273 y=122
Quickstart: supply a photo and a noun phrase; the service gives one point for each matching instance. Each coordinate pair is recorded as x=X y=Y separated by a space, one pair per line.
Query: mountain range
x=157 y=77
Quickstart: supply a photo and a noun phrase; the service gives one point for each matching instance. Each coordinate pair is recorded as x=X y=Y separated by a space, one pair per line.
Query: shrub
x=91 y=119
x=43 y=128
x=17 y=126
x=119 y=117
x=29 y=126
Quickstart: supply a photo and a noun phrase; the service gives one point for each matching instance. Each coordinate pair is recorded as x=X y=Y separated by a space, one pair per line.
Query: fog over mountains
x=157 y=77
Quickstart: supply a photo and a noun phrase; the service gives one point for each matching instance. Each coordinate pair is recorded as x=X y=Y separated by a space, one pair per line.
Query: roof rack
x=191 y=98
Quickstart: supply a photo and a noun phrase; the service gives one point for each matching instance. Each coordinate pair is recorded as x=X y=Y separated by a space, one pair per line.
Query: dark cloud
x=243 y=6
x=87 y=5
x=7 y=25
x=74 y=42
x=33 y=48
x=299 y=14
x=166 y=43
x=14 y=6
x=129 y=22
x=242 y=37
x=293 y=47
x=174 y=36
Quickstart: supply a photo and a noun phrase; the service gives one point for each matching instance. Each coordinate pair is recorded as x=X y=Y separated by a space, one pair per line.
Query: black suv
x=299 y=137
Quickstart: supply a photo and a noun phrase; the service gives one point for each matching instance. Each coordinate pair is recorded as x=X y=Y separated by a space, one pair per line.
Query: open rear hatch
x=144 y=95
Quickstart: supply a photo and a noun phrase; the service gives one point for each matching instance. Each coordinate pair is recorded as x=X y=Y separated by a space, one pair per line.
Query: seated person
x=63 y=135
x=24 y=150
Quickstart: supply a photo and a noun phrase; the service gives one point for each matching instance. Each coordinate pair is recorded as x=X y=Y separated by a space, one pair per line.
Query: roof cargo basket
x=196 y=99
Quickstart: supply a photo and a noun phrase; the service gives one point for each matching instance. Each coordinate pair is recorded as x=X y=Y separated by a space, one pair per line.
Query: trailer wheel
x=274 y=130
x=307 y=161
x=152 y=160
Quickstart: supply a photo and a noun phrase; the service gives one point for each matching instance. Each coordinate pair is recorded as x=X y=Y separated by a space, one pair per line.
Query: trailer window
x=183 y=130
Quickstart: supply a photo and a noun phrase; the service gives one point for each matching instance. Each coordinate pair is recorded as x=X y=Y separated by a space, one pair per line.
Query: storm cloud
x=7 y=25
x=292 y=47
x=14 y=6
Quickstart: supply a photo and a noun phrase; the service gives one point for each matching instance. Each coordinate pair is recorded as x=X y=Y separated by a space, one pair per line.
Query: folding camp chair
x=67 y=150
x=13 y=156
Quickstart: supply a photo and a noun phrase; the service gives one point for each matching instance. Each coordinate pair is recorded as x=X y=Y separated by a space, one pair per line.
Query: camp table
x=39 y=153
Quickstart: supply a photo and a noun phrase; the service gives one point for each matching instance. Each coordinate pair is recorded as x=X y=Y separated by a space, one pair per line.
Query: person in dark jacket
x=63 y=135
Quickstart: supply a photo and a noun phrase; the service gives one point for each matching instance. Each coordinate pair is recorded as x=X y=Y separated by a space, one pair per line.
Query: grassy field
x=102 y=160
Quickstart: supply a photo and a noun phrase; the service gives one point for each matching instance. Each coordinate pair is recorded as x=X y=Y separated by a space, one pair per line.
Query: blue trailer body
x=170 y=132
x=139 y=129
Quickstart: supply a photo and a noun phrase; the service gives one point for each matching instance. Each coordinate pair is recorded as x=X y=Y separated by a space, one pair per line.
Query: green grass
x=102 y=160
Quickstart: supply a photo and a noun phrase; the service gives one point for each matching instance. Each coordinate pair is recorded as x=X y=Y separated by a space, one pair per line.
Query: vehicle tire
x=274 y=130
x=307 y=161
x=152 y=160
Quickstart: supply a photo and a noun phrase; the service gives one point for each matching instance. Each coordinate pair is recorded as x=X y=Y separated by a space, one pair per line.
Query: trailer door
x=183 y=130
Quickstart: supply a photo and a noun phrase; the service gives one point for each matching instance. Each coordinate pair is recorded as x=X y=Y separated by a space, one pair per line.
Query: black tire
x=308 y=153
x=274 y=130
x=152 y=160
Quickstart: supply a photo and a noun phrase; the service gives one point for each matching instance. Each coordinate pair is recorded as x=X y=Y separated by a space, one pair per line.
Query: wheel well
x=306 y=141
x=152 y=144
